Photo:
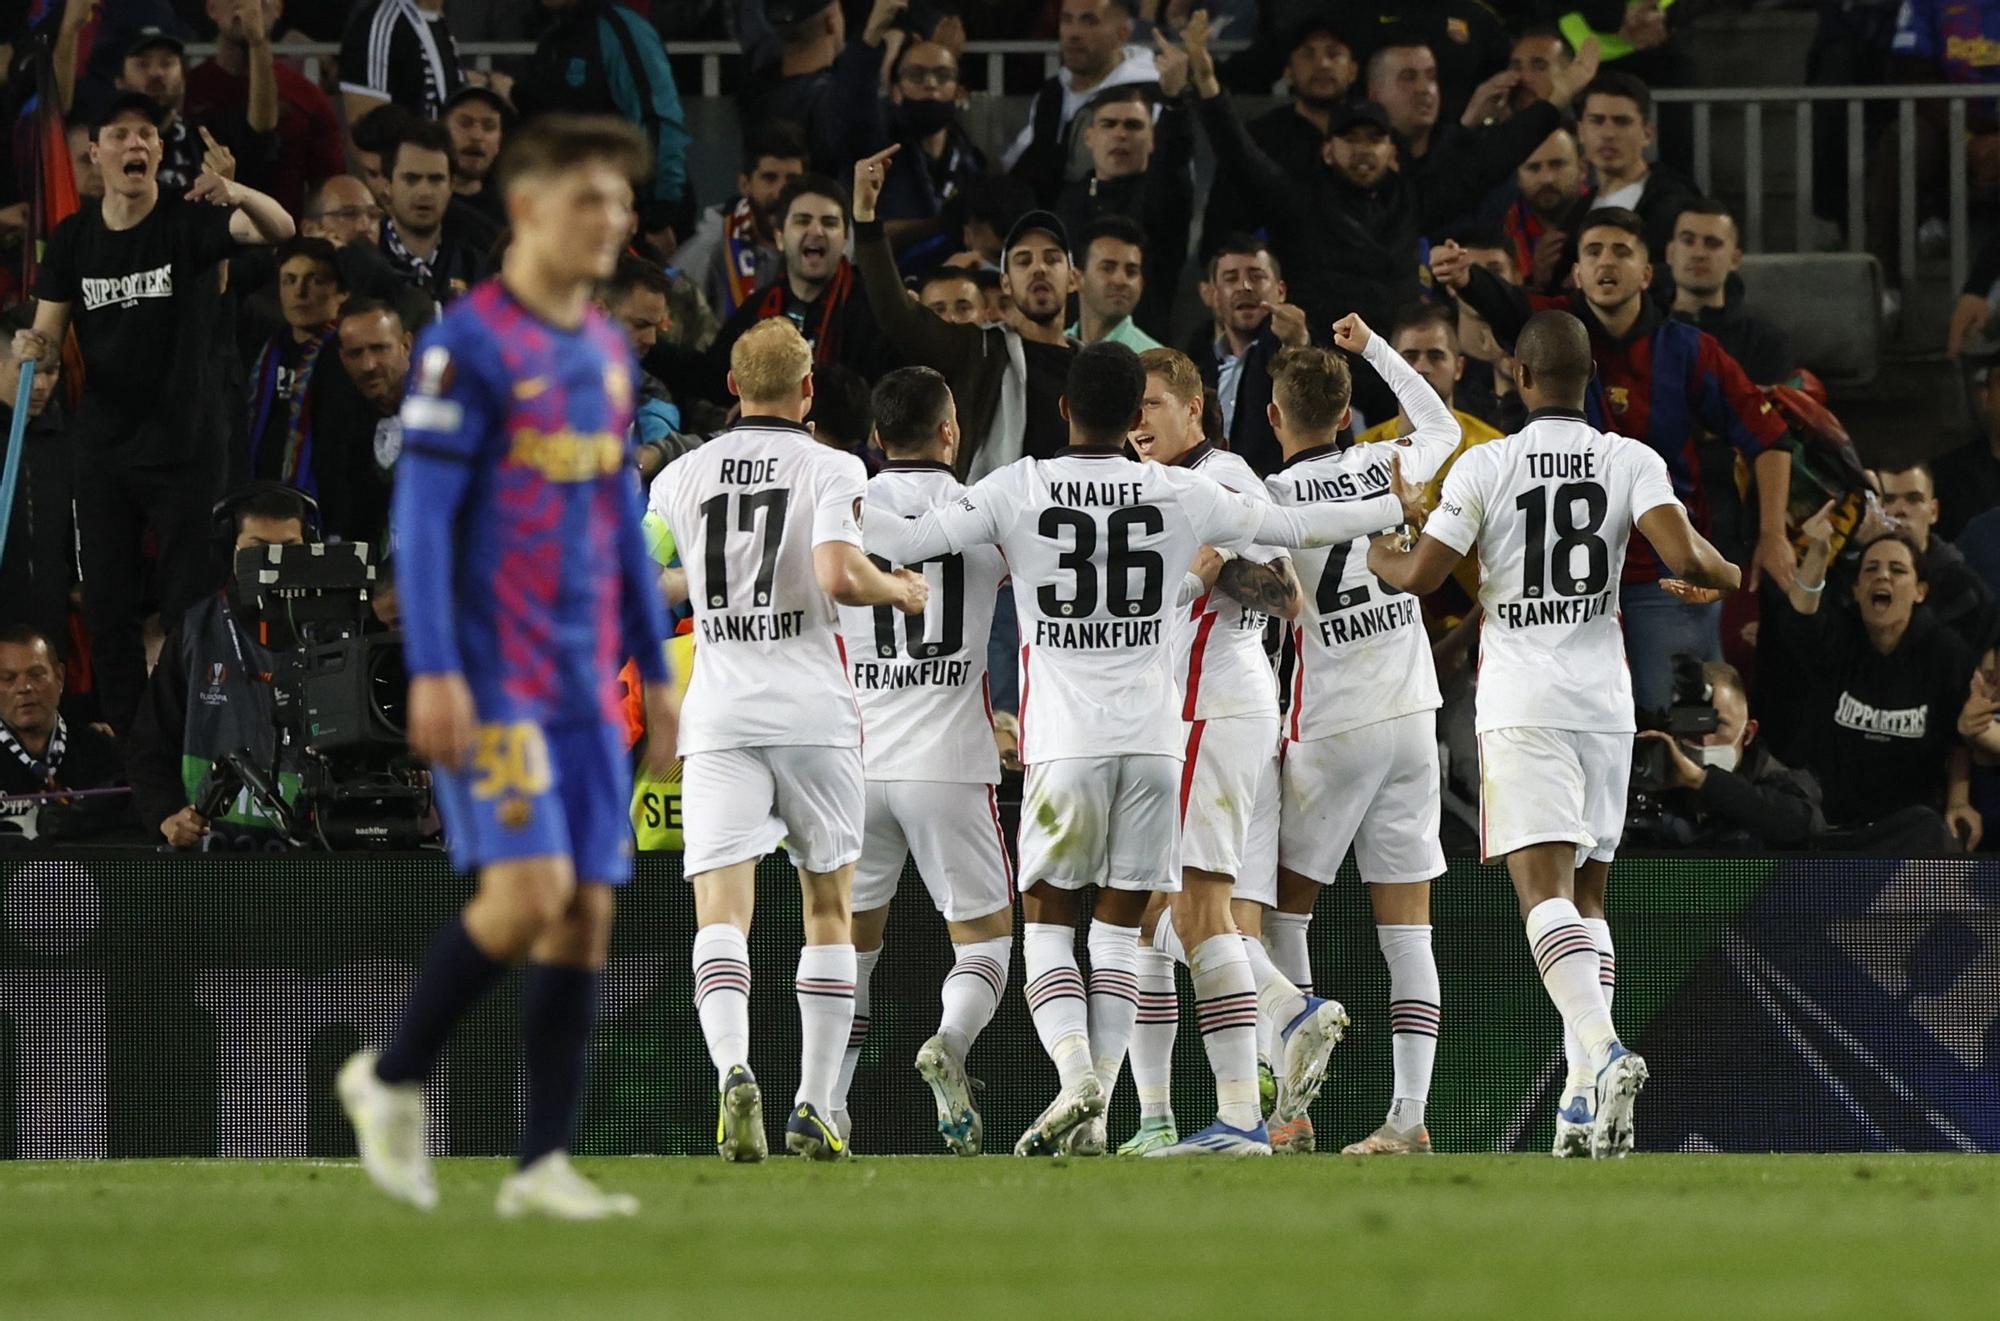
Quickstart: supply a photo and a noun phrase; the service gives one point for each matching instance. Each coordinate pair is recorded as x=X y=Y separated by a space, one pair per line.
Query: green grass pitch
x=1718 y=1238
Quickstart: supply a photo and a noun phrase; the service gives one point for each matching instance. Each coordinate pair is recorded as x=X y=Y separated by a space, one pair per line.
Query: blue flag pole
x=17 y=437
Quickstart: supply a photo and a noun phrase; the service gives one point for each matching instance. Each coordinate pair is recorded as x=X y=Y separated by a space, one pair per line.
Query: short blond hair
x=1176 y=369
x=1311 y=387
x=770 y=361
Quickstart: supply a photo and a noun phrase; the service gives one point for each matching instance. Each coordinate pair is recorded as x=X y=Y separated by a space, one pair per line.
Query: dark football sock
x=455 y=976
x=558 y=1012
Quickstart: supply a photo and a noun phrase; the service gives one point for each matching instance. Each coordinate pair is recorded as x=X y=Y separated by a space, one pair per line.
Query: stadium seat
x=1829 y=302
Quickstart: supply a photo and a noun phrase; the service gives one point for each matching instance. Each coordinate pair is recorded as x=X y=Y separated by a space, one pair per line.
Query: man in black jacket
x=1141 y=169
x=1614 y=128
x=1320 y=69
x=1349 y=233
x=1253 y=321
x=1728 y=793
x=37 y=563
x=1705 y=257
x=1957 y=598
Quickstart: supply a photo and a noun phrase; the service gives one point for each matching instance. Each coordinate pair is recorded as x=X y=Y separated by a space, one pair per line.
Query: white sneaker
x=1309 y=1042
x=1573 y=1124
x=1072 y=1106
x=552 y=1187
x=958 y=1119
x=1090 y=1138
x=389 y=1130
x=1618 y=1084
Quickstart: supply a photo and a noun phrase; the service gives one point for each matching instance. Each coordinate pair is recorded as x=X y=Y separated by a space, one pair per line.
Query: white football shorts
x=1109 y=821
x=953 y=831
x=738 y=804
x=1541 y=786
x=1229 y=802
x=1374 y=789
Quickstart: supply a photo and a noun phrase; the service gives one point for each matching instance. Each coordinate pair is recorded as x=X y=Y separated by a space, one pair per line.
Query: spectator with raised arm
x=135 y=276
x=1349 y=234
x=280 y=126
x=1252 y=321
x=1008 y=378
x=922 y=114
x=1887 y=686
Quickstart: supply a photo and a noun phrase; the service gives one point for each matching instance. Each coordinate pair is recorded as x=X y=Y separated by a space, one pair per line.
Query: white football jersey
x=921 y=679
x=1098 y=546
x=1363 y=654
x=746 y=510
x=1219 y=646
x=1551 y=509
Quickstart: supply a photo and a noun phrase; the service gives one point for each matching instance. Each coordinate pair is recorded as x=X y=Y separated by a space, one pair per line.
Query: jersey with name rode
x=1098 y=545
x=746 y=510
x=1219 y=647
x=1363 y=655
x=538 y=588
x=1551 y=509
x=921 y=679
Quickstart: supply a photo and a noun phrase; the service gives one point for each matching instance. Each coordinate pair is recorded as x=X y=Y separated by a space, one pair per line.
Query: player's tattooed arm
x=1271 y=589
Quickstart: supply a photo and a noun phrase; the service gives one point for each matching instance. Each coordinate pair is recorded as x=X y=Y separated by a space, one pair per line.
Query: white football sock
x=722 y=994
x=1154 y=1031
x=1567 y=959
x=972 y=991
x=1265 y=972
x=1114 y=998
x=1225 y=1005
x=1414 y=1016
x=825 y=988
x=1055 y=997
x=1582 y=1078
x=1285 y=938
x=857 y=1036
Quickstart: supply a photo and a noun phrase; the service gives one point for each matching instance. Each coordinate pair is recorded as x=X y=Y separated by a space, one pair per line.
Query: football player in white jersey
x=1551 y=509
x=768 y=522
x=1229 y=790
x=929 y=754
x=1096 y=544
x=1360 y=763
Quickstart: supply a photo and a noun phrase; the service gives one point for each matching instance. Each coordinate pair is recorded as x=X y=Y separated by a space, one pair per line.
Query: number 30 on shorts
x=511 y=759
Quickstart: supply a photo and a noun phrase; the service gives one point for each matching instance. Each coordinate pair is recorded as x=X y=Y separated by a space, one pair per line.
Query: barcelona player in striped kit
x=525 y=586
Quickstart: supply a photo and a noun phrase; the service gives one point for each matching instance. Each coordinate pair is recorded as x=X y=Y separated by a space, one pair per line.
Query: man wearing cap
x=155 y=64
x=245 y=96
x=134 y=274
x=1349 y=234
x=1007 y=378
x=476 y=117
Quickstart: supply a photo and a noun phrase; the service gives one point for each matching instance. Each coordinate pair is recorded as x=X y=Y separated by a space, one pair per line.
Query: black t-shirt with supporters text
x=144 y=303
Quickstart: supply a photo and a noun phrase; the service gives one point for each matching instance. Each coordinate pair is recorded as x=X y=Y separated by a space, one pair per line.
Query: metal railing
x=1802 y=100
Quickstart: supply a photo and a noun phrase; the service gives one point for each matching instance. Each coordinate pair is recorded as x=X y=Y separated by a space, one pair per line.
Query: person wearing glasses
x=921 y=113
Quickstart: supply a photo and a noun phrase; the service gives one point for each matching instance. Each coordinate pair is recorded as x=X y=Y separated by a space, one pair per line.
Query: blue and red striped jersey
x=520 y=560
x=1670 y=384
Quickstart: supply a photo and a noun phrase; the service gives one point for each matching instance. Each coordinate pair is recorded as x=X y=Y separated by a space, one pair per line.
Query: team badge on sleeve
x=426 y=409
x=434 y=371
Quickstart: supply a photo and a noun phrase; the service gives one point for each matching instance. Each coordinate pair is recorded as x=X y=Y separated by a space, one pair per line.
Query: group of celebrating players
x=838 y=705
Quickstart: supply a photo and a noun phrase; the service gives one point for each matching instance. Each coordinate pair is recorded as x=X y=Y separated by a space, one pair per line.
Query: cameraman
x=1728 y=793
x=210 y=694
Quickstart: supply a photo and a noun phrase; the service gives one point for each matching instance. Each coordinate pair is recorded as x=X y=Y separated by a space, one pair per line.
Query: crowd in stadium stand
x=1443 y=167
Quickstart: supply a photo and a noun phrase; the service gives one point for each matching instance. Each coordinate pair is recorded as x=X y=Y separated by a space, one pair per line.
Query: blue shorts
x=537 y=789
